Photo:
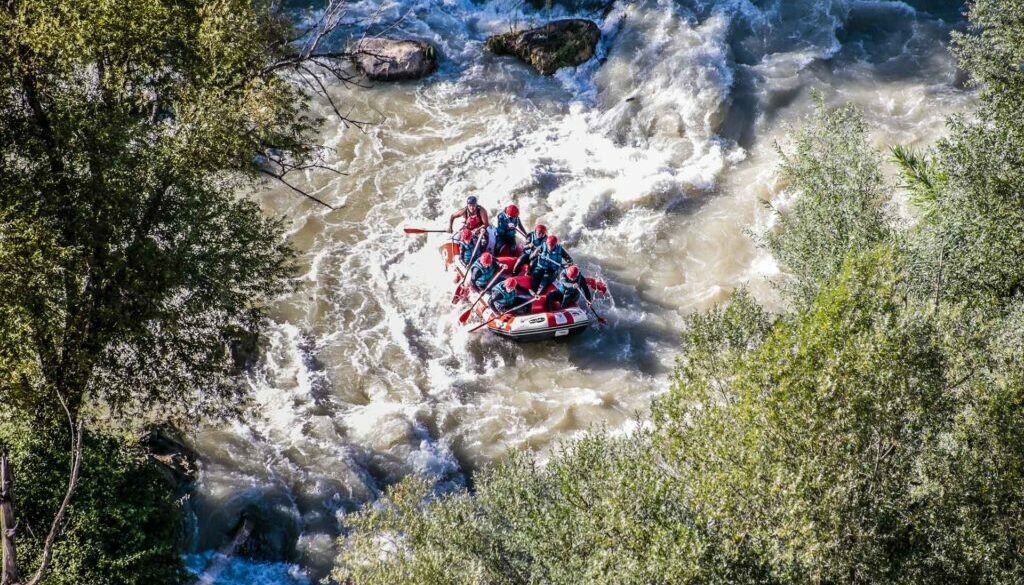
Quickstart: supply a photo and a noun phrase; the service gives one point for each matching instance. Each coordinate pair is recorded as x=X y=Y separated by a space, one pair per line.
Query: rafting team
x=547 y=262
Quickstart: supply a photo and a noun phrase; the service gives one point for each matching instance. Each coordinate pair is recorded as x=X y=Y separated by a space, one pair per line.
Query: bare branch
x=329 y=21
x=330 y=100
x=286 y=166
x=280 y=177
x=58 y=519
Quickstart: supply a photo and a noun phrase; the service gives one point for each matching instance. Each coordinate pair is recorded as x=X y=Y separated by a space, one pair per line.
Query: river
x=654 y=162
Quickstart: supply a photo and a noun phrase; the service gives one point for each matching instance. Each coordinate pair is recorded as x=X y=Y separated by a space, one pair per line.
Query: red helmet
x=466 y=235
x=572 y=272
x=512 y=211
x=486 y=259
x=552 y=241
x=510 y=283
x=541 y=229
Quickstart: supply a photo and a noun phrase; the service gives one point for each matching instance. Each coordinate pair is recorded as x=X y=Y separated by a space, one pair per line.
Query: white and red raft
x=533 y=322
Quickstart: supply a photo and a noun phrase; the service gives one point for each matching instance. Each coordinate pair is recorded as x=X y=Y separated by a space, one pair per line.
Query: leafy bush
x=124 y=526
x=841 y=198
x=973 y=244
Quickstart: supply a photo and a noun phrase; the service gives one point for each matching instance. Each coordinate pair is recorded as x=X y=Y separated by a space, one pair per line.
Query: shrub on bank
x=124 y=526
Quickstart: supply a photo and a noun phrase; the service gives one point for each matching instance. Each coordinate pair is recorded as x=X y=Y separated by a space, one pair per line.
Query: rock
x=244 y=348
x=260 y=523
x=560 y=43
x=167 y=449
x=574 y=6
x=394 y=60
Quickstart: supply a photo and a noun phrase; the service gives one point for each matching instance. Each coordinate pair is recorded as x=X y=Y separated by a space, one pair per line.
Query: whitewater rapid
x=654 y=162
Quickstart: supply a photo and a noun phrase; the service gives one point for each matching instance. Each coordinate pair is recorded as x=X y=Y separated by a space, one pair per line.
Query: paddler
x=534 y=240
x=547 y=261
x=568 y=286
x=474 y=216
x=467 y=243
x=483 y=270
x=508 y=224
x=506 y=296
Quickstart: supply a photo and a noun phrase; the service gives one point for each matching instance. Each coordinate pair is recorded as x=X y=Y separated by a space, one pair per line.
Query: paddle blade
x=465 y=316
x=414 y=231
x=459 y=292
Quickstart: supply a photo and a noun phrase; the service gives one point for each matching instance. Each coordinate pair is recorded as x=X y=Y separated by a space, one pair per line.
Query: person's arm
x=522 y=229
x=454 y=216
x=568 y=258
x=586 y=287
x=484 y=216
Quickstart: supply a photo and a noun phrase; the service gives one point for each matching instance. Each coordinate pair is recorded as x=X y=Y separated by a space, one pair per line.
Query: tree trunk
x=8 y=561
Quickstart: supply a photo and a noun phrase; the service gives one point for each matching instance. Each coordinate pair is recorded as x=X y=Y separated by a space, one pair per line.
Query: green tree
x=124 y=525
x=129 y=263
x=841 y=200
x=811 y=459
x=973 y=245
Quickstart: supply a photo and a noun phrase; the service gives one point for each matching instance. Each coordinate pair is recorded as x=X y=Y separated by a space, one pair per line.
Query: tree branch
x=58 y=519
x=280 y=177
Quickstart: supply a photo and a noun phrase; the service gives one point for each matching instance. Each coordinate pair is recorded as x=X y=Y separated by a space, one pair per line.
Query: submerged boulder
x=557 y=44
x=178 y=462
x=394 y=59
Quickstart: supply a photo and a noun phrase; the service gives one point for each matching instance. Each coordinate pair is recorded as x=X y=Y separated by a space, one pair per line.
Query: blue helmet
x=471 y=200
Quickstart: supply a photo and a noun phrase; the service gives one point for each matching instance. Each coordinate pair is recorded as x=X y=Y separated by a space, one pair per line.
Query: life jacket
x=483 y=275
x=504 y=297
x=506 y=225
x=475 y=220
x=533 y=242
x=466 y=249
x=551 y=258
x=563 y=283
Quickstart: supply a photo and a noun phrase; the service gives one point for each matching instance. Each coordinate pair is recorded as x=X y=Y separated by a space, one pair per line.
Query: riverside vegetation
x=873 y=433
x=129 y=267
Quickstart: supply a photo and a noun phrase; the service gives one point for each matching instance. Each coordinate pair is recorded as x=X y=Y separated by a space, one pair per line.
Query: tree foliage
x=130 y=264
x=973 y=246
x=841 y=196
x=126 y=129
x=599 y=511
x=124 y=527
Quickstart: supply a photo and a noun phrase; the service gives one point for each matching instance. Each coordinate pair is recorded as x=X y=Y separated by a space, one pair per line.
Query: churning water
x=653 y=161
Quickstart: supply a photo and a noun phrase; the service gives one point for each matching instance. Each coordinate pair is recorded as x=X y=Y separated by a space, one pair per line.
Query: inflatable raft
x=533 y=322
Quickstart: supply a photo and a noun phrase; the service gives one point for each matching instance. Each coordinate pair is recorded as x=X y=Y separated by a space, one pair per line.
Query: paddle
x=472 y=257
x=515 y=308
x=409 y=230
x=465 y=316
x=590 y=306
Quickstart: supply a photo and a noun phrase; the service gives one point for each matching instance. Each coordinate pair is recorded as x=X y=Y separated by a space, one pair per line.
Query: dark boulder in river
x=178 y=462
x=394 y=60
x=557 y=44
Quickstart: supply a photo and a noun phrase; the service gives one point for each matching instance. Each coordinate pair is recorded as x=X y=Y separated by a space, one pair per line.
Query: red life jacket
x=473 y=221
